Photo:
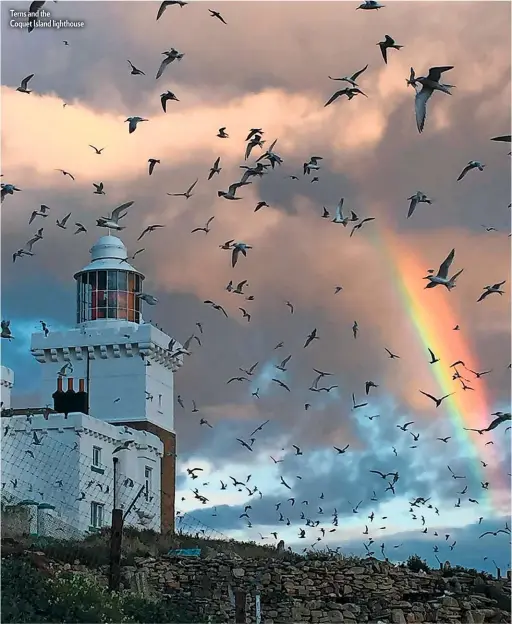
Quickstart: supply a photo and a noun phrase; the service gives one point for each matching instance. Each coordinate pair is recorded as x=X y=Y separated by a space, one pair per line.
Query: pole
x=88 y=378
x=240 y=607
x=257 y=604
x=116 y=535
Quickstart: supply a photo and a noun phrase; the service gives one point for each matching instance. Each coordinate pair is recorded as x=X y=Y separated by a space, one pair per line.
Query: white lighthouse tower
x=126 y=364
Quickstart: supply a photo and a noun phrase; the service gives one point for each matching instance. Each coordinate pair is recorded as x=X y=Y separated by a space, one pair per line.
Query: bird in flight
x=188 y=193
x=388 y=44
x=437 y=401
x=441 y=278
x=429 y=84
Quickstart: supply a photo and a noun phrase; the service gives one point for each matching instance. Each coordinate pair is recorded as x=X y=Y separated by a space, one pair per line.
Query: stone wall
x=325 y=591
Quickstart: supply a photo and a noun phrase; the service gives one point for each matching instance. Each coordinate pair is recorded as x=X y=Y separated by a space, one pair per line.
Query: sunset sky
x=268 y=68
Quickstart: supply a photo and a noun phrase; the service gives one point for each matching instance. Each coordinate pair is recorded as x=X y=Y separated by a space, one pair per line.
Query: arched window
x=108 y=294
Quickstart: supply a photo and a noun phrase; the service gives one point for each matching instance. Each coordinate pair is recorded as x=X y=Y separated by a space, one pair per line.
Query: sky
x=275 y=76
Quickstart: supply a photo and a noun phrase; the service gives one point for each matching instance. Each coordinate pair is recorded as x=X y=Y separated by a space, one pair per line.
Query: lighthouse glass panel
x=108 y=294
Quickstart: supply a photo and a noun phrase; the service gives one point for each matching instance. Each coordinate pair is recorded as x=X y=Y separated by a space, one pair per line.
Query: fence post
x=240 y=607
x=257 y=605
x=116 y=535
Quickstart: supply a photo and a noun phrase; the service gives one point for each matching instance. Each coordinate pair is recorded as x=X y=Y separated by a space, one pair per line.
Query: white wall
x=6 y=383
x=119 y=377
x=60 y=468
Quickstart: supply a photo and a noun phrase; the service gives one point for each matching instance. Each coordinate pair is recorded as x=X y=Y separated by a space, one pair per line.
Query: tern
x=351 y=79
x=430 y=83
x=442 y=275
x=230 y=193
x=417 y=198
x=170 y=56
x=204 y=229
x=112 y=222
x=489 y=290
x=165 y=97
x=472 y=164
x=80 y=228
x=237 y=249
x=135 y=71
x=506 y=138
x=8 y=189
x=147 y=298
x=99 y=189
x=222 y=134
x=218 y=16
x=97 y=151
x=152 y=162
x=24 y=84
x=133 y=121
x=62 y=224
x=188 y=193
x=369 y=5
x=167 y=3
x=339 y=218
x=350 y=92
x=66 y=173
x=433 y=398
x=42 y=212
x=215 y=169
x=150 y=228
x=254 y=142
x=388 y=44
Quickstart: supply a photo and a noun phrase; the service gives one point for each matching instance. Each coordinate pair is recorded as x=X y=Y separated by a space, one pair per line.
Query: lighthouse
x=113 y=365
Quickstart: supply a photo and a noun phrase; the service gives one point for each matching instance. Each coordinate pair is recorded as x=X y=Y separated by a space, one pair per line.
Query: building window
x=148 y=481
x=96 y=456
x=108 y=294
x=97 y=515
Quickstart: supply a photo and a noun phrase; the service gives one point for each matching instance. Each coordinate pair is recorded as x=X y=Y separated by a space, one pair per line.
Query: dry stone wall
x=319 y=591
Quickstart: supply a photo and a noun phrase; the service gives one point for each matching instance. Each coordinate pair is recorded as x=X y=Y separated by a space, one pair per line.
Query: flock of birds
x=268 y=160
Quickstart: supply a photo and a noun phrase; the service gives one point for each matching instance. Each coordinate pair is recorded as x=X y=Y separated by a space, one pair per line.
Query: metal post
x=240 y=607
x=257 y=604
x=88 y=378
x=116 y=535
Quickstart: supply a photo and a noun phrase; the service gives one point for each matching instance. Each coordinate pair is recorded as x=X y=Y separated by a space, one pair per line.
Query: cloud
x=373 y=157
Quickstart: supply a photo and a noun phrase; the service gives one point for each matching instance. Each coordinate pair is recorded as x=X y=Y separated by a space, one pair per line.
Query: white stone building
x=115 y=374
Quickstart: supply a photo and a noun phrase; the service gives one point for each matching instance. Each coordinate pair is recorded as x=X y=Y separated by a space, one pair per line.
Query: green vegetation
x=415 y=564
x=29 y=595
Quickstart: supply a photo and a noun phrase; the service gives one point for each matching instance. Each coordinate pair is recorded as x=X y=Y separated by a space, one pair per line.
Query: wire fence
x=52 y=492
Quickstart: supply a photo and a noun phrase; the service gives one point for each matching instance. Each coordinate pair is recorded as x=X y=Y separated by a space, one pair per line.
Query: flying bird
x=436 y=401
x=135 y=71
x=433 y=358
x=215 y=169
x=218 y=16
x=24 y=84
x=150 y=228
x=442 y=275
x=165 y=97
x=388 y=44
x=472 y=164
x=238 y=248
x=489 y=290
x=351 y=79
x=8 y=189
x=112 y=222
x=370 y=5
x=62 y=223
x=204 y=229
x=417 y=198
x=168 y=3
x=96 y=150
x=188 y=193
x=66 y=173
x=170 y=56
x=133 y=121
x=152 y=162
x=429 y=84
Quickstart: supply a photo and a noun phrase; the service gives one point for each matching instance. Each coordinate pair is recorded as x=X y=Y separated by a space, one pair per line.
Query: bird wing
x=65 y=220
x=412 y=206
x=161 y=10
x=445 y=266
x=163 y=65
x=428 y=395
x=420 y=106
x=464 y=171
x=116 y=213
x=483 y=295
x=191 y=188
x=355 y=76
x=25 y=81
x=506 y=138
x=384 y=51
x=434 y=73
x=330 y=101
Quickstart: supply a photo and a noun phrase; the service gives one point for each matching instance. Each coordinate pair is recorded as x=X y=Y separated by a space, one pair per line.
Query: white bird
x=24 y=84
x=230 y=193
x=8 y=189
x=149 y=299
x=123 y=447
x=112 y=222
x=42 y=212
x=167 y=3
x=417 y=198
x=132 y=126
x=340 y=218
x=188 y=193
x=442 y=275
x=351 y=79
x=489 y=290
x=472 y=164
x=369 y=5
x=237 y=249
x=429 y=84
x=170 y=56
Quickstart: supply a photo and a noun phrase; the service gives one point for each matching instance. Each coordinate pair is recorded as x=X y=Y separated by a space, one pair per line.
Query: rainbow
x=433 y=315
